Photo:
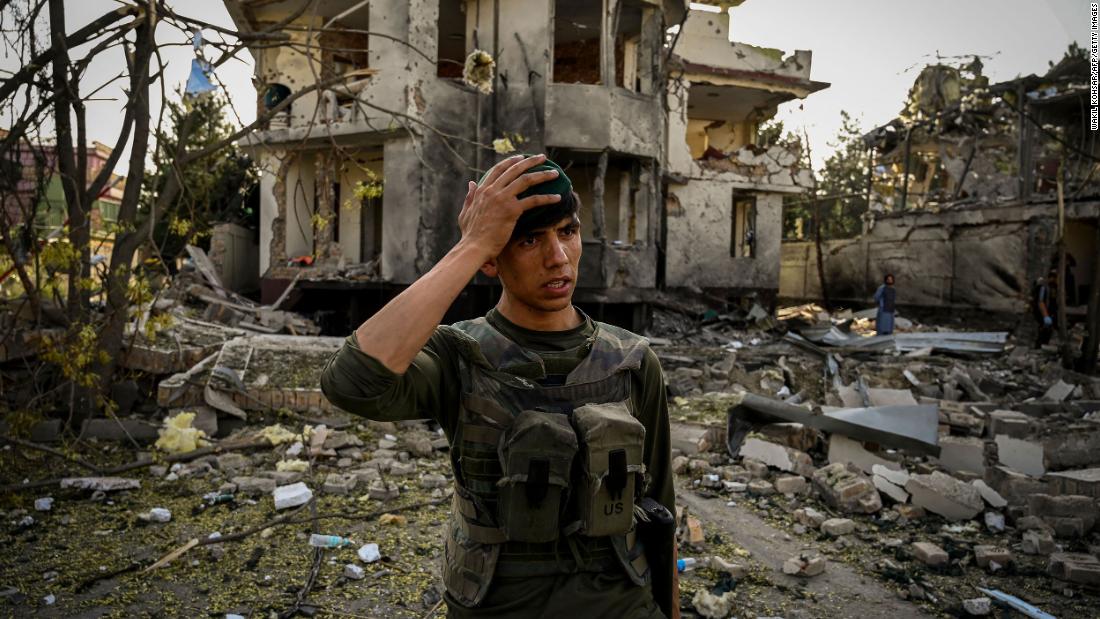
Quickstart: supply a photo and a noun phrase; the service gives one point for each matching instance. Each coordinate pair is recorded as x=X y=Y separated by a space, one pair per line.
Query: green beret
x=560 y=185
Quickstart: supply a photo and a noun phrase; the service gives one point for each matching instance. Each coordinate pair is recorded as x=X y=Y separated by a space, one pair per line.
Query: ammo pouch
x=536 y=453
x=611 y=443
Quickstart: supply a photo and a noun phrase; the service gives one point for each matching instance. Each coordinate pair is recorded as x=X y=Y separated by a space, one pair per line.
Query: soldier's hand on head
x=491 y=209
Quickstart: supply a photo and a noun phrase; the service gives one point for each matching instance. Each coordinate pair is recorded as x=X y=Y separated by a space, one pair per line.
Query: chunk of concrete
x=292 y=495
x=778 y=456
x=989 y=495
x=792 y=484
x=929 y=554
x=944 y=495
x=1075 y=567
x=1009 y=423
x=836 y=527
x=1069 y=516
x=1058 y=392
x=845 y=488
x=847 y=451
x=986 y=556
x=809 y=517
x=712 y=606
x=962 y=453
x=1021 y=455
x=254 y=486
x=101 y=484
x=1084 y=482
x=1037 y=542
x=898 y=476
x=890 y=489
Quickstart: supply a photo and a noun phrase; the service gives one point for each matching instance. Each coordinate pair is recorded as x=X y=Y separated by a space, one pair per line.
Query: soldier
x=558 y=425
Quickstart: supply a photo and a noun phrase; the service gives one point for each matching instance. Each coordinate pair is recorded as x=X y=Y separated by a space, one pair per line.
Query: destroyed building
x=964 y=198
x=725 y=193
x=364 y=178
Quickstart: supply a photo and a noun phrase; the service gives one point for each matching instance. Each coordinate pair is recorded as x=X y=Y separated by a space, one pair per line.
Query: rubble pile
x=966 y=462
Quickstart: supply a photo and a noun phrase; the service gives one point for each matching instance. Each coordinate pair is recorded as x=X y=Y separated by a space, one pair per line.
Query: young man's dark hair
x=557 y=424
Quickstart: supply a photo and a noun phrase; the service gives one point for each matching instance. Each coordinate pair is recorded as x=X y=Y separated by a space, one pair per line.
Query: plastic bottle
x=328 y=541
x=687 y=564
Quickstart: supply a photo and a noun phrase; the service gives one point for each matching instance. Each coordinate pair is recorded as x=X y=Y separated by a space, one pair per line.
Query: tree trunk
x=820 y=256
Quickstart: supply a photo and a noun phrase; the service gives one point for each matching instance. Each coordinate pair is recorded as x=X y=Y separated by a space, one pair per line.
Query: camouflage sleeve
x=360 y=384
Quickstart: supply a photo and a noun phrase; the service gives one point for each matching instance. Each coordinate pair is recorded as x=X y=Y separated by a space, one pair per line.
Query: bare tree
x=51 y=88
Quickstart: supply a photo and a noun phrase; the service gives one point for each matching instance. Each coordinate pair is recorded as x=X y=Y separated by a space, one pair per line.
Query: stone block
x=232 y=463
x=1084 y=482
x=929 y=554
x=1014 y=486
x=1037 y=542
x=845 y=488
x=836 y=527
x=282 y=478
x=989 y=495
x=340 y=483
x=848 y=451
x=962 y=453
x=1010 y=423
x=945 y=495
x=761 y=487
x=809 y=517
x=885 y=486
x=778 y=456
x=254 y=486
x=793 y=484
x=986 y=555
x=1069 y=516
x=1076 y=568
x=1020 y=455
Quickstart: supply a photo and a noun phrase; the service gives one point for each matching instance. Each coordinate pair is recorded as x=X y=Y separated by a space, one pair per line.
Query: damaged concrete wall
x=700 y=229
x=982 y=258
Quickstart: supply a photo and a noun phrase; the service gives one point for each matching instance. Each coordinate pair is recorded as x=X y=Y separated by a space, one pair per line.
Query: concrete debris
x=929 y=554
x=944 y=495
x=292 y=495
x=805 y=564
x=777 y=456
x=1075 y=567
x=835 y=527
x=978 y=607
x=101 y=484
x=846 y=488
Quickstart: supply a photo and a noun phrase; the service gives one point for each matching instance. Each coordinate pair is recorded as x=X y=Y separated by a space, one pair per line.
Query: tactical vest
x=547 y=457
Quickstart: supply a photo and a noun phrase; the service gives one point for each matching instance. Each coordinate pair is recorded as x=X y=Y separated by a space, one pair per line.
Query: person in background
x=1045 y=304
x=885 y=297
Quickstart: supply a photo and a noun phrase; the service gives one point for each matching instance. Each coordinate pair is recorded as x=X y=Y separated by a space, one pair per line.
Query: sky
x=870 y=51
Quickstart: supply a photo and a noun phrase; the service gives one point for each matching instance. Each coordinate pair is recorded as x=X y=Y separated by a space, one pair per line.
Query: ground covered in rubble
x=991 y=502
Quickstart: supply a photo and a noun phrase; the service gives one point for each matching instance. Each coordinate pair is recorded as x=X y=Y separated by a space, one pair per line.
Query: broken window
x=616 y=194
x=743 y=232
x=451 y=50
x=636 y=39
x=577 y=49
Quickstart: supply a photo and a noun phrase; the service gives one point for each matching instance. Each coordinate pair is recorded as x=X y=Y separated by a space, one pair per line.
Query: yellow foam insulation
x=295 y=466
x=177 y=436
x=277 y=435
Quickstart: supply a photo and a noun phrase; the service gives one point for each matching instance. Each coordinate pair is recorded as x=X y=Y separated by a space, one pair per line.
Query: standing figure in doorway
x=885 y=297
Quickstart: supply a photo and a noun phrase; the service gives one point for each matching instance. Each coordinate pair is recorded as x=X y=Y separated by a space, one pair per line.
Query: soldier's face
x=539 y=269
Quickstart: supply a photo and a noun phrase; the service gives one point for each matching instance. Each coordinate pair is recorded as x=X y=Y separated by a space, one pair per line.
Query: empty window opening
x=636 y=34
x=577 y=32
x=743 y=232
x=452 y=39
x=616 y=209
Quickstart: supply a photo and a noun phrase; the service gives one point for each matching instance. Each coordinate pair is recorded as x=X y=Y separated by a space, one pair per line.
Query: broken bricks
x=845 y=488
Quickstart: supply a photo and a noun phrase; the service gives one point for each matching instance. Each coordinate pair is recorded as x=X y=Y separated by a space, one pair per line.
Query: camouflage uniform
x=472 y=377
